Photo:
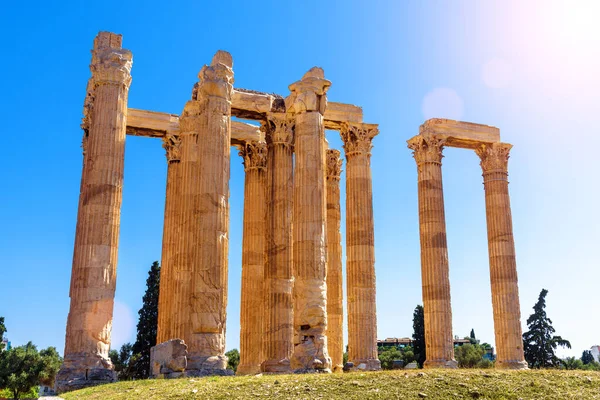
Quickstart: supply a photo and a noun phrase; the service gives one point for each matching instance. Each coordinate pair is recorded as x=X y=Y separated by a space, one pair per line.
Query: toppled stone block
x=168 y=359
x=412 y=365
x=349 y=366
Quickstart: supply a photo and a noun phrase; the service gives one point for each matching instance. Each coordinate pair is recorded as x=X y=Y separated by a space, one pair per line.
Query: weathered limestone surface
x=360 y=246
x=278 y=318
x=204 y=204
x=168 y=359
x=427 y=151
x=466 y=135
x=173 y=301
x=253 y=258
x=93 y=276
x=503 y=266
x=308 y=103
x=335 y=309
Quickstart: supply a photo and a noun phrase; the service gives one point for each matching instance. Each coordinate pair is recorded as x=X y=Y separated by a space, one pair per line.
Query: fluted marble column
x=503 y=266
x=360 y=246
x=205 y=131
x=253 y=258
x=335 y=308
x=307 y=102
x=172 y=286
x=439 y=343
x=278 y=318
x=93 y=276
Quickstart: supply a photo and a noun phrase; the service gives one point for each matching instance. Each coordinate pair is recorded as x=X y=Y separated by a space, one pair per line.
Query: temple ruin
x=291 y=290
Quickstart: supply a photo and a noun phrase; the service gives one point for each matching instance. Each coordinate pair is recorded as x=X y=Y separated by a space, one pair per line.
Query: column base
x=207 y=365
x=79 y=371
x=248 y=370
x=448 y=364
x=371 y=364
x=512 y=364
x=276 y=367
x=337 y=369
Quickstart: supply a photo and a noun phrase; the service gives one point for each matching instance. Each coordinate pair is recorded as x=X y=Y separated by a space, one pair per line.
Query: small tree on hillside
x=147 y=324
x=472 y=338
x=233 y=359
x=2 y=331
x=124 y=362
x=419 y=335
x=587 y=357
x=539 y=342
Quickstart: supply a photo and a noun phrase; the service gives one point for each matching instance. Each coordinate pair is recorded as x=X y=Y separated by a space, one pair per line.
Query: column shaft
x=170 y=317
x=278 y=339
x=335 y=309
x=439 y=342
x=93 y=276
x=253 y=258
x=360 y=247
x=503 y=266
x=205 y=150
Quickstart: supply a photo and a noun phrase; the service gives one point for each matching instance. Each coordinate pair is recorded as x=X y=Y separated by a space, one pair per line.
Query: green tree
x=147 y=324
x=233 y=359
x=472 y=338
x=572 y=363
x=22 y=368
x=2 y=331
x=587 y=357
x=468 y=355
x=124 y=362
x=539 y=342
x=420 y=352
x=388 y=356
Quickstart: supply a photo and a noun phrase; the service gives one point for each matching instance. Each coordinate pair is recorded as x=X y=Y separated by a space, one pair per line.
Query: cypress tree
x=419 y=335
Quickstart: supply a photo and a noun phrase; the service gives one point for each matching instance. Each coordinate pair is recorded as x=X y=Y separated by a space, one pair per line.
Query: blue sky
x=530 y=69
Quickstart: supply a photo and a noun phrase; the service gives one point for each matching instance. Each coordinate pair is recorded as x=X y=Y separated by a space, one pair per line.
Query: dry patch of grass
x=426 y=384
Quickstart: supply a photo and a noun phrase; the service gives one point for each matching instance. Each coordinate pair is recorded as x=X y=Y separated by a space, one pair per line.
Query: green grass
x=428 y=384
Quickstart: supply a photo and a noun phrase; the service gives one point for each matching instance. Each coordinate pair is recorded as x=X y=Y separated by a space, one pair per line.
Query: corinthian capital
x=427 y=148
x=358 y=137
x=494 y=156
x=216 y=79
x=308 y=94
x=111 y=66
x=254 y=155
x=279 y=129
x=172 y=145
x=334 y=164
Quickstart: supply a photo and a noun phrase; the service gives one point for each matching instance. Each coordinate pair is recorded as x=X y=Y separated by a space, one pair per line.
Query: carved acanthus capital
x=254 y=155
x=334 y=164
x=427 y=148
x=358 y=138
x=279 y=129
x=111 y=66
x=494 y=156
x=215 y=79
x=172 y=145
x=309 y=93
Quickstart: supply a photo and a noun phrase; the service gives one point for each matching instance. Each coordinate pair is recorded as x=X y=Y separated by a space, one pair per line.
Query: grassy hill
x=425 y=384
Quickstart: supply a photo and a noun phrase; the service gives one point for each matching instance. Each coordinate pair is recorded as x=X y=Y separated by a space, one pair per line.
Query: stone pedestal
x=503 y=266
x=439 y=341
x=360 y=246
x=335 y=309
x=173 y=287
x=93 y=277
x=205 y=131
x=308 y=103
x=278 y=318
x=253 y=258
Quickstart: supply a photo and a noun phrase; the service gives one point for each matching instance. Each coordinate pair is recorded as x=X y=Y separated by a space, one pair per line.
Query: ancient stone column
x=360 y=246
x=335 y=308
x=205 y=131
x=308 y=102
x=278 y=318
x=503 y=266
x=253 y=258
x=427 y=151
x=170 y=318
x=93 y=276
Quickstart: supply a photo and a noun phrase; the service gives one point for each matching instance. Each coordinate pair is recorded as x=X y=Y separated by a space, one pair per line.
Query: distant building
x=5 y=344
x=595 y=350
